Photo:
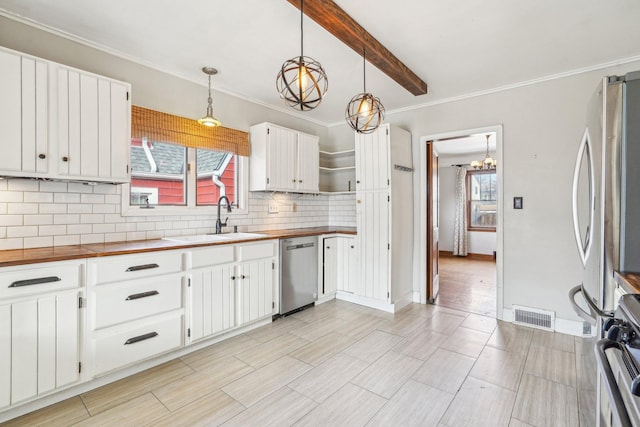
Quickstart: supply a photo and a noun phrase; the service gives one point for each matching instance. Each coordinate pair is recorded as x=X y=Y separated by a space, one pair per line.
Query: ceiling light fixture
x=487 y=162
x=365 y=112
x=209 y=119
x=302 y=82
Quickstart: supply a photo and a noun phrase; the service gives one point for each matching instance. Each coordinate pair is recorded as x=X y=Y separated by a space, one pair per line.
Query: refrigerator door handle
x=594 y=311
x=584 y=246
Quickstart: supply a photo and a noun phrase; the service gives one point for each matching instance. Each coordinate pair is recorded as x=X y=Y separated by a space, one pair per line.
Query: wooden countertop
x=630 y=282
x=62 y=253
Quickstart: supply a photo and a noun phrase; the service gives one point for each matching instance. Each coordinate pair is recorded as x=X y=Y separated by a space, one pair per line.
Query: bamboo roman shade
x=163 y=127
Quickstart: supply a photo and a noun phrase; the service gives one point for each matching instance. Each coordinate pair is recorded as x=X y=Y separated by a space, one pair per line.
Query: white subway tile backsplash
x=52 y=208
x=53 y=186
x=37 y=242
x=22 y=185
x=91 y=198
x=91 y=214
x=79 y=229
x=69 y=239
x=22 y=208
x=4 y=184
x=38 y=197
x=52 y=230
x=66 y=198
x=66 y=219
x=38 y=219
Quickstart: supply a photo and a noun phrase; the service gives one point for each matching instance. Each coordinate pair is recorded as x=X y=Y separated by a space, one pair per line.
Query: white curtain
x=460 y=220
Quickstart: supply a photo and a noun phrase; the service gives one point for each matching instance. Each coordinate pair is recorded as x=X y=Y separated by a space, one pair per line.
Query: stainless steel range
x=618 y=357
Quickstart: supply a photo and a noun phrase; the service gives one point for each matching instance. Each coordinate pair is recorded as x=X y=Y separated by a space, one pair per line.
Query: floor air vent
x=527 y=316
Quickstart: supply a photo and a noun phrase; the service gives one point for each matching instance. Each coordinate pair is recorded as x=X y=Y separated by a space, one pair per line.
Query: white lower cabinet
x=135 y=308
x=340 y=265
x=39 y=331
x=230 y=286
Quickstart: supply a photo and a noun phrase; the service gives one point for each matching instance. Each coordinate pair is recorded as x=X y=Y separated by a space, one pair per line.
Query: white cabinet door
x=23 y=115
x=372 y=160
x=308 y=163
x=373 y=241
x=5 y=355
x=93 y=126
x=255 y=284
x=212 y=301
x=44 y=344
x=330 y=282
x=346 y=264
x=280 y=165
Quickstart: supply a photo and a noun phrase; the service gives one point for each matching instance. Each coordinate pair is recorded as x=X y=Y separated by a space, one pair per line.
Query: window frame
x=190 y=208
x=470 y=173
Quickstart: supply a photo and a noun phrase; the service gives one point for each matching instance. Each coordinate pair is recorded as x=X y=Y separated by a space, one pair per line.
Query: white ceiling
x=476 y=143
x=458 y=48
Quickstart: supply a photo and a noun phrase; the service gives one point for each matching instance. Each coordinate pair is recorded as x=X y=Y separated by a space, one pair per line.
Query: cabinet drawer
x=126 y=267
x=39 y=278
x=117 y=347
x=256 y=251
x=122 y=302
x=211 y=256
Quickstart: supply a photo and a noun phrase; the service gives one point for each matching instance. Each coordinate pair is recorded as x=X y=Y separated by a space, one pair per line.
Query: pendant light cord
x=364 y=68
x=301 y=29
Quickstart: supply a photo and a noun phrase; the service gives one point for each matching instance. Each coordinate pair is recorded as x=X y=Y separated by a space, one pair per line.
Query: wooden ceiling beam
x=332 y=18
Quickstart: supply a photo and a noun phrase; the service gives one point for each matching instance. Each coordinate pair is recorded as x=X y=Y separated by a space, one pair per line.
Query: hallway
x=468 y=285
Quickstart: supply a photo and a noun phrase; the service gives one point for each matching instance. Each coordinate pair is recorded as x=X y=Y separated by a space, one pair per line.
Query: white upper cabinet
x=372 y=160
x=283 y=160
x=93 y=129
x=23 y=115
x=62 y=123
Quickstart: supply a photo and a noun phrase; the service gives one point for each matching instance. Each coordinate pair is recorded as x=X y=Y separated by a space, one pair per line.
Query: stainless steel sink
x=205 y=238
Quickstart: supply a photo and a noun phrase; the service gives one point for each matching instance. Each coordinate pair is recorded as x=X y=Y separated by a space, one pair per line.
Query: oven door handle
x=617 y=404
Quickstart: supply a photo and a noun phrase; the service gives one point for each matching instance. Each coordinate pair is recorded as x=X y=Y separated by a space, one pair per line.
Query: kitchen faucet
x=219 y=223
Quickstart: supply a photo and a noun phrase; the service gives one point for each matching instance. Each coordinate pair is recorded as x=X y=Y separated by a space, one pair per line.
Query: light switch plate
x=273 y=207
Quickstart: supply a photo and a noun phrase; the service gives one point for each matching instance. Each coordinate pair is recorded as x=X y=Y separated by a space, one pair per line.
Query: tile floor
x=346 y=365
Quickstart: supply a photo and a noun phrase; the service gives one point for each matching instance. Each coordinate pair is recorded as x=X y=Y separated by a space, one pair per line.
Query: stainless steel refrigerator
x=606 y=210
x=606 y=194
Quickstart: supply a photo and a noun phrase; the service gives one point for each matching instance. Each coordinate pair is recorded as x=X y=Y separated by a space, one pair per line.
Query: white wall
x=479 y=242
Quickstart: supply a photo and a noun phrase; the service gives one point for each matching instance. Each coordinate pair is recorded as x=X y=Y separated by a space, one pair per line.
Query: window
x=180 y=167
x=481 y=200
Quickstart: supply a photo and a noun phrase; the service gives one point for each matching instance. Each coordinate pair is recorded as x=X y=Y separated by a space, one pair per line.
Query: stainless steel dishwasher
x=298 y=273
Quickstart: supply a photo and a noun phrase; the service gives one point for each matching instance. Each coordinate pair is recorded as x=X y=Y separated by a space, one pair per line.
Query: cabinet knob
x=233 y=277
x=243 y=277
x=358 y=182
x=352 y=246
x=42 y=156
x=293 y=180
x=65 y=159
x=328 y=247
x=300 y=180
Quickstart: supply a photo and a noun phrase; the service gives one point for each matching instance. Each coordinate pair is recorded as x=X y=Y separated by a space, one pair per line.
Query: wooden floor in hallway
x=468 y=284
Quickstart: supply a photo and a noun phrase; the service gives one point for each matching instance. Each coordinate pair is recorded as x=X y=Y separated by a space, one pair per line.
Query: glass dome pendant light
x=302 y=82
x=364 y=112
x=209 y=120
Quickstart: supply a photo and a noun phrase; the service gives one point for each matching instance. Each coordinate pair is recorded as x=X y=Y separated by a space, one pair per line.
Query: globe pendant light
x=209 y=119
x=365 y=112
x=302 y=81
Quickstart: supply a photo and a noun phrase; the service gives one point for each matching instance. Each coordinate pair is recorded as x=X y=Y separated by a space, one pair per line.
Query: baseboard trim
x=367 y=302
x=480 y=257
x=417 y=298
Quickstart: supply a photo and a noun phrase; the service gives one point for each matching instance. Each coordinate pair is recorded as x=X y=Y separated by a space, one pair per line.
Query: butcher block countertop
x=630 y=282
x=62 y=253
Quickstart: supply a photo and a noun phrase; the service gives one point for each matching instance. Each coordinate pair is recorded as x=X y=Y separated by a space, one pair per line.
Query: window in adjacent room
x=481 y=194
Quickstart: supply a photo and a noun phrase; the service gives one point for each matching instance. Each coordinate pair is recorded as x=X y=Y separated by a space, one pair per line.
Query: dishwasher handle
x=300 y=246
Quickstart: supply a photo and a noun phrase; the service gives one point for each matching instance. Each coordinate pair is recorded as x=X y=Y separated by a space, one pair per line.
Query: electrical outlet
x=273 y=207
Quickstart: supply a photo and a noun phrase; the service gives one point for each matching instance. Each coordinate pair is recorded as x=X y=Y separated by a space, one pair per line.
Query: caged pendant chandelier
x=209 y=120
x=302 y=82
x=365 y=112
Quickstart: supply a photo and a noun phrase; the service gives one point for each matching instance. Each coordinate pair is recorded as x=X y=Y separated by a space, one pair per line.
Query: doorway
x=471 y=283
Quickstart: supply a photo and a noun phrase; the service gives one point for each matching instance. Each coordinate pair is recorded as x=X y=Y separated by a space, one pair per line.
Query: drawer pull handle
x=38 y=281
x=142 y=267
x=142 y=295
x=141 y=338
